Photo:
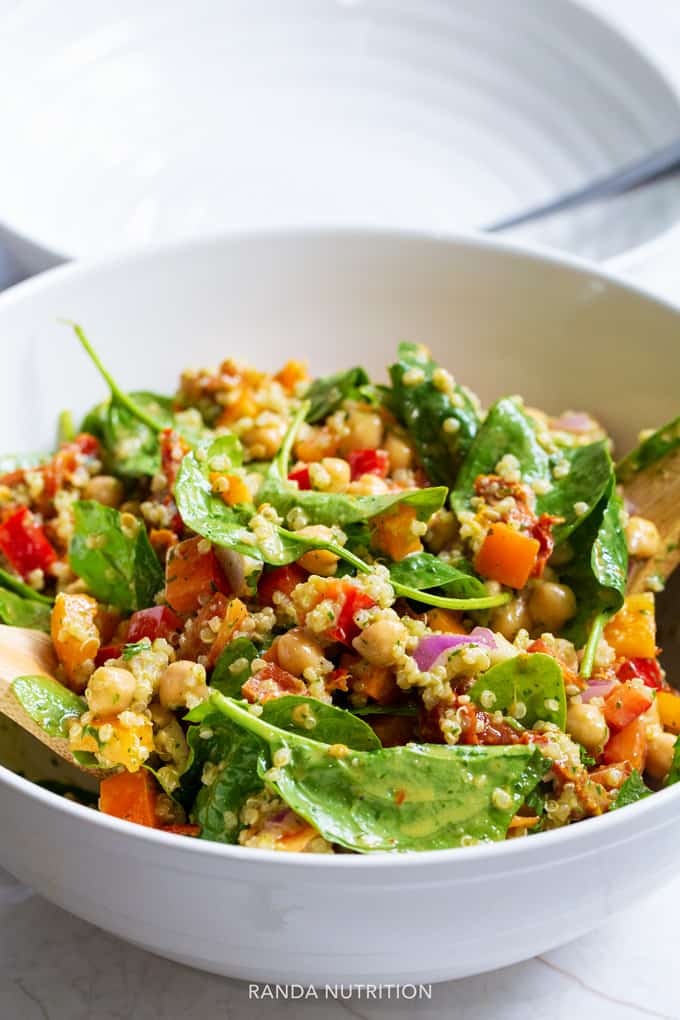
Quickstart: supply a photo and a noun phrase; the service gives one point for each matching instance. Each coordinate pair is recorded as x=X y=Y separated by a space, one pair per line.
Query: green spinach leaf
x=15 y=584
x=598 y=569
x=326 y=394
x=534 y=681
x=48 y=703
x=224 y=678
x=662 y=442
x=423 y=570
x=424 y=409
x=632 y=790
x=311 y=718
x=17 y=611
x=117 y=564
x=674 y=771
x=419 y=797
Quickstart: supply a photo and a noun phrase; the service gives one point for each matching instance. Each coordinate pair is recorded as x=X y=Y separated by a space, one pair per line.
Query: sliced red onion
x=598 y=689
x=433 y=646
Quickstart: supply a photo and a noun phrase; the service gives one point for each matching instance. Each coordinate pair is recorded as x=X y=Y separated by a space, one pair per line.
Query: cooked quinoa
x=320 y=615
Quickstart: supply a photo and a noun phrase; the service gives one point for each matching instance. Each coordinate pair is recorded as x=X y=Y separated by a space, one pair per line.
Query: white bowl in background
x=129 y=123
x=504 y=320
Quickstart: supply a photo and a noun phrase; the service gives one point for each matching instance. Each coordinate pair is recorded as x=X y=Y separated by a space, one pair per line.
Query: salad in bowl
x=330 y=615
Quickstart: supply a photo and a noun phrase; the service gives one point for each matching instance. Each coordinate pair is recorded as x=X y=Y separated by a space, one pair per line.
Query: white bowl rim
x=505 y=850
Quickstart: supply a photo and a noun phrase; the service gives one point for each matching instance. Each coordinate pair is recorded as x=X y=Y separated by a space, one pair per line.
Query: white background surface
x=54 y=967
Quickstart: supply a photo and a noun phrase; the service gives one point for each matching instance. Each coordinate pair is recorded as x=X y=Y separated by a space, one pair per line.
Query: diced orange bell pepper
x=118 y=744
x=280 y=579
x=76 y=636
x=243 y=406
x=376 y=682
x=625 y=703
x=233 y=617
x=231 y=488
x=130 y=796
x=632 y=631
x=669 y=710
x=447 y=621
x=190 y=573
x=507 y=556
x=523 y=822
x=628 y=745
x=392 y=532
x=292 y=373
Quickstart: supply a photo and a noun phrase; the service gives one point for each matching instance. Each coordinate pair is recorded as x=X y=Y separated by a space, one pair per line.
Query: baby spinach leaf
x=15 y=584
x=118 y=565
x=327 y=393
x=507 y=429
x=662 y=442
x=16 y=611
x=311 y=718
x=48 y=703
x=532 y=680
x=66 y=429
x=418 y=797
x=423 y=570
x=408 y=709
x=632 y=790
x=423 y=409
x=133 y=448
x=598 y=569
x=234 y=753
x=227 y=680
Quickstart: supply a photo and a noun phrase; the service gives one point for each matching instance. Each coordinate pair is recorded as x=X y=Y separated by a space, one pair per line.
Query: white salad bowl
x=502 y=319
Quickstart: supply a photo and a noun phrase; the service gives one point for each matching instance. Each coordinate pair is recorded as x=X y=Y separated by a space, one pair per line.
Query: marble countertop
x=56 y=967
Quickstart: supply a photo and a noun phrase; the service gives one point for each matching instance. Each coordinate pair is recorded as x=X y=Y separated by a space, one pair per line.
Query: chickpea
x=551 y=605
x=104 y=489
x=660 y=751
x=171 y=744
x=332 y=474
x=400 y=453
x=509 y=619
x=364 y=431
x=586 y=724
x=380 y=642
x=319 y=561
x=368 y=485
x=182 y=685
x=263 y=441
x=297 y=650
x=642 y=538
x=110 y=690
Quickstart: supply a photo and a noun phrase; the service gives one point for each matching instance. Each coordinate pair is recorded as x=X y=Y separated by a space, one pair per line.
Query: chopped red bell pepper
x=300 y=474
x=369 y=462
x=158 y=622
x=24 y=543
x=624 y=704
x=282 y=579
x=108 y=652
x=647 y=670
x=345 y=629
x=542 y=532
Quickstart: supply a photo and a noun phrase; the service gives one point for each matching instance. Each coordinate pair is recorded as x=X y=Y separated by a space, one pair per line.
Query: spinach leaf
x=66 y=430
x=532 y=680
x=133 y=448
x=327 y=393
x=15 y=584
x=418 y=797
x=374 y=709
x=662 y=442
x=16 y=611
x=117 y=564
x=423 y=570
x=632 y=790
x=48 y=703
x=507 y=429
x=598 y=569
x=311 y=718
x=234 y=754
x=674 y=771
x=423 y=409
x=227 y=680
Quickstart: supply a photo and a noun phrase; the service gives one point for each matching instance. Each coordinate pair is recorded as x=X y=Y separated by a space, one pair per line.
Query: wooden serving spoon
x=26 y=652
x=654 y=493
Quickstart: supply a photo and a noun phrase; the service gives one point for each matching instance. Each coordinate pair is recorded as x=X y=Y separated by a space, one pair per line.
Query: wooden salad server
x=26 y=652
x=654 y=492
